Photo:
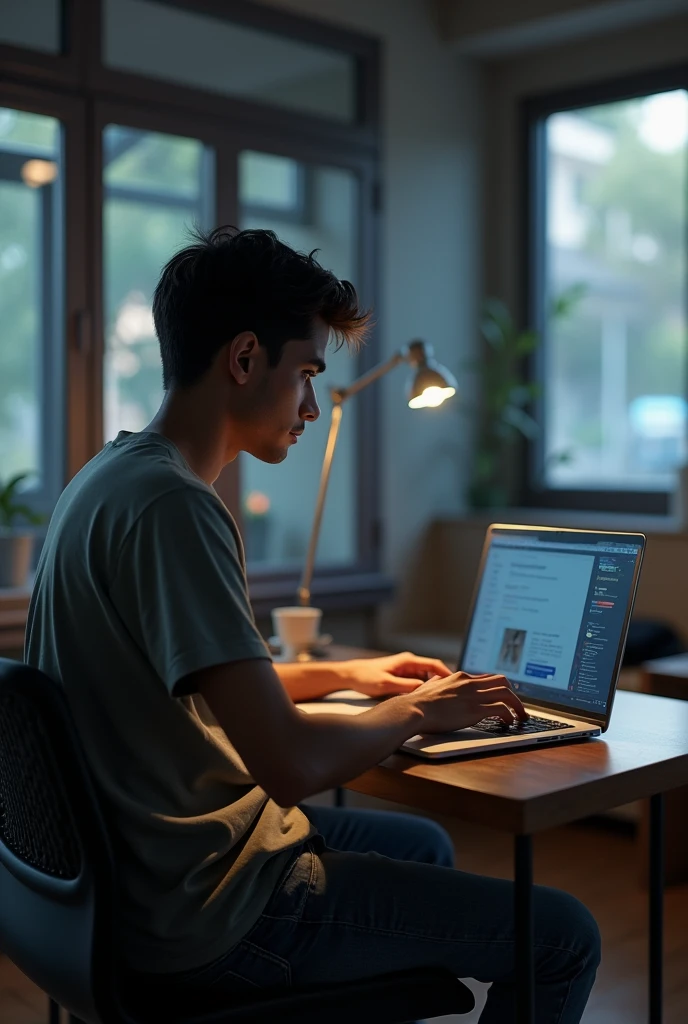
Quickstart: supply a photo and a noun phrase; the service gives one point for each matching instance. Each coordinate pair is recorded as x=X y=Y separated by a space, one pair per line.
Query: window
x=155 y=188
x=31 y=265
x=611 y=187
x=32 y=23
x=263 y=66
x=278 y=501
x=125 y=140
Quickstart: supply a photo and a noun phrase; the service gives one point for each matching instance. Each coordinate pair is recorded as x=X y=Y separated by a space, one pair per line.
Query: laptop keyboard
x=497 y=727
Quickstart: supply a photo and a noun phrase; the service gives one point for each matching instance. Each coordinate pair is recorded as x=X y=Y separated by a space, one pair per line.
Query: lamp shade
x=431 y=383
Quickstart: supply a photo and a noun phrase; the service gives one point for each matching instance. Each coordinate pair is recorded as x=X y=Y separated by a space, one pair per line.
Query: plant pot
x=16 y=550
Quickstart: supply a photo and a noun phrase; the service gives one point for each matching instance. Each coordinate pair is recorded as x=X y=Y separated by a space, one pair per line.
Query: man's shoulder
x=130 y=482
x=134 y=471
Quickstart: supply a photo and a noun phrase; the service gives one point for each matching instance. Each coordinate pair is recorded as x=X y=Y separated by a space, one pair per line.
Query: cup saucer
x=314 y=649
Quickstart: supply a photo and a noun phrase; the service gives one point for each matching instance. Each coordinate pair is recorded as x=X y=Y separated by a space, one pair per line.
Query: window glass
x=31 y=23
x=155 y=190
x=31 y=279
x=209 y=53
x=616 y=225
x=279 y=501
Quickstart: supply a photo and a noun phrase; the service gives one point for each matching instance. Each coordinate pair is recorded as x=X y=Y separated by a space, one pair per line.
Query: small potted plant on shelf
x=16 y=540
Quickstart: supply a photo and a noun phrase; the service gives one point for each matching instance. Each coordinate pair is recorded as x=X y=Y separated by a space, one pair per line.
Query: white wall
x=430 y=248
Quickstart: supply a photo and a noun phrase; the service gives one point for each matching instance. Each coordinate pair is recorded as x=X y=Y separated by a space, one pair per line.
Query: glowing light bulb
x=431 y=398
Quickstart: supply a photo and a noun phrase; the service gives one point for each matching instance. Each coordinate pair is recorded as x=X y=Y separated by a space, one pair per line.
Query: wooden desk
x=668 y=677
x=644 y=754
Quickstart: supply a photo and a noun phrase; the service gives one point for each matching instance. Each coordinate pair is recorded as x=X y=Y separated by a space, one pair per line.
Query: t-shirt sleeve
x=180 y=588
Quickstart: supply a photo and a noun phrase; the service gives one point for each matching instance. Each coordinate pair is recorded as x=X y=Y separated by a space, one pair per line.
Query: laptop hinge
x=558 y=709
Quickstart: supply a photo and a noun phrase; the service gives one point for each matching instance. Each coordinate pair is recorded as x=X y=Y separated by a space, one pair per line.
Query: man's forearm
x=311 y=680
x=335 y=748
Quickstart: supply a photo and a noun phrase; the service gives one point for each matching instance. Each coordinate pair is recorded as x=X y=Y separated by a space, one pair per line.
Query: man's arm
x=292 y=755
x=375 y=677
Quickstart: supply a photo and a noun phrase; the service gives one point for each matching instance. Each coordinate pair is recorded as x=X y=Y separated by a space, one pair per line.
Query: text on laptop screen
x=550 y=612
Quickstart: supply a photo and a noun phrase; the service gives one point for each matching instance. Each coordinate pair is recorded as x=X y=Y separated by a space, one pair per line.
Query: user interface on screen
x=550 y=613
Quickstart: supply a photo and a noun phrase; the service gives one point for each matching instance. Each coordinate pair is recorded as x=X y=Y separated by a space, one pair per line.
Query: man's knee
x=589 y=932
x=434 y=844
x=571 y=927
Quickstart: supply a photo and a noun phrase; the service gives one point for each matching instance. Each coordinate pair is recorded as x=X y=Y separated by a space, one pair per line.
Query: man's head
x=245 y=320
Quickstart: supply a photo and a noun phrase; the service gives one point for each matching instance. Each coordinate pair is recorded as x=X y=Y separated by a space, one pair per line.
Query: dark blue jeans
x=376 y=892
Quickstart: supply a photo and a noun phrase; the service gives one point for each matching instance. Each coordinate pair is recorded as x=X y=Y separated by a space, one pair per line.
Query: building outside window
x=611 y=187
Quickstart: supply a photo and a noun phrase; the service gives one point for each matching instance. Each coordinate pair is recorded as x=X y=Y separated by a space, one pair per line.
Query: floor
x=596 y=862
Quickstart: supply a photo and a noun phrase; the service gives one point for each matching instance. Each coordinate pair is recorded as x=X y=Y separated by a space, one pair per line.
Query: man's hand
x=395 y=673
x=461 y=700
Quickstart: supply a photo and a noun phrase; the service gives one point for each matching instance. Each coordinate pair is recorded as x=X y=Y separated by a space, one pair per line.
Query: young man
x=140 y=610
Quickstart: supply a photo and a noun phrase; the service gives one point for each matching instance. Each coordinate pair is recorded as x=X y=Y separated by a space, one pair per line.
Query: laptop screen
x=550 y=613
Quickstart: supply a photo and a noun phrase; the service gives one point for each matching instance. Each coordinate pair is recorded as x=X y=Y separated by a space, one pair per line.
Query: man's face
x=281 y=399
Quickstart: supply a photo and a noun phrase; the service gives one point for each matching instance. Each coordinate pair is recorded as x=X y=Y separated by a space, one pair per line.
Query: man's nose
x=310 y=410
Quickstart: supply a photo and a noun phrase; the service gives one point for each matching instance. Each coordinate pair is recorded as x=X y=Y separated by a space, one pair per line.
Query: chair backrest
x=57 y=880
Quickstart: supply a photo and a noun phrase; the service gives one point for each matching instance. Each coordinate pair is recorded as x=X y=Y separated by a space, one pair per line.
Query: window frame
x=50 y=445
x=68 y=363
x=363 y=131
x=533 y=111
x=86 y=95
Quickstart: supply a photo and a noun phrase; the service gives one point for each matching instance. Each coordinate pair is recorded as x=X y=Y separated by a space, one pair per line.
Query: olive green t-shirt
x=141 y=582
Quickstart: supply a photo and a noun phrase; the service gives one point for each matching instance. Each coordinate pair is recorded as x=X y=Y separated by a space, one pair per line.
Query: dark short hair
x=228 y=281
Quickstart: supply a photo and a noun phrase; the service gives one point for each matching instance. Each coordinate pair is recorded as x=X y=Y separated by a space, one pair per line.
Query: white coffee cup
x=297 y=628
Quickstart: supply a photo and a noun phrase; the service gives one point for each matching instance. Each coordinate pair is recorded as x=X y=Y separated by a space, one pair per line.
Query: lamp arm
x=339 y=396
x=304 y=591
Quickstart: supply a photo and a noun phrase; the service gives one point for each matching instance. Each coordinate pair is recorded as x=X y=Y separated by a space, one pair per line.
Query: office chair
x=58 y=906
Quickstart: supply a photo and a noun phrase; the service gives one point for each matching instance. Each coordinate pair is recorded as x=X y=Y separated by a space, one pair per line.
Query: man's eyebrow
x=318 y=363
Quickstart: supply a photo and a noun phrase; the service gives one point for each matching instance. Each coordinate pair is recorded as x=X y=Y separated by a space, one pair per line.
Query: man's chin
x=274 y=456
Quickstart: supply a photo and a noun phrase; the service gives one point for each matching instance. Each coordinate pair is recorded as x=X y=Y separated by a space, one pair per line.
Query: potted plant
x=16 y=541
x=505 y=395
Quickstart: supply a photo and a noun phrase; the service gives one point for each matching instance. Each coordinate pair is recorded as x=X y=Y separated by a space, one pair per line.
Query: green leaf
x=16 y=511
x=565 y=302
x=520 y=395
x=521 y=421
x=492 y=333
x=495 y=309
x=484 y=465
x=526 y=342
x=12 y=484
x=496 y=324
x=10 y=509
x=560 y=458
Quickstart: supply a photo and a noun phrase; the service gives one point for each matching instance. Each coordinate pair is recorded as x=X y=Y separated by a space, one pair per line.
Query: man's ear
x=243 y=351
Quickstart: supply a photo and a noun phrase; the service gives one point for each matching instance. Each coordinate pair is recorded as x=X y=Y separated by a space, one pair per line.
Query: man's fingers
x=412 y=664
x=438 y=669
x=499 y=710
x=507 y=696
x=395 y=684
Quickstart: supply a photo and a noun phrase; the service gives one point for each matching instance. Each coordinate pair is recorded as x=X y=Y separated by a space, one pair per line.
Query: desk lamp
x=429 y=385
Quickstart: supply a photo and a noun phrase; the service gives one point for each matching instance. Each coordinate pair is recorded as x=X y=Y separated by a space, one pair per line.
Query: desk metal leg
x=656 y=888
x=53 y=1012
x=524 y=929
x=339 y=800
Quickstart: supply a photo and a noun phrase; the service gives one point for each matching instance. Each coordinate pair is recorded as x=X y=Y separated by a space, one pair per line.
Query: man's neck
x=200 y=434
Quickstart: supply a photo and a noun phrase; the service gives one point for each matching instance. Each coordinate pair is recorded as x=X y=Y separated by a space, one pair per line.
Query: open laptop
x=550 y=611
